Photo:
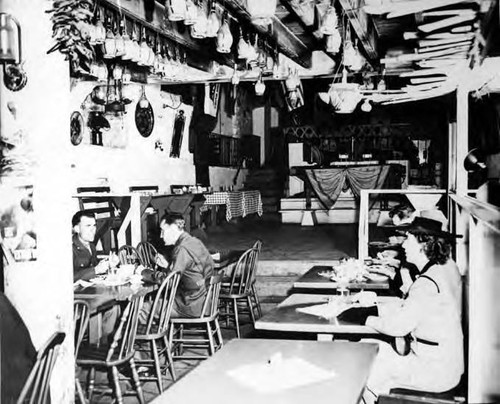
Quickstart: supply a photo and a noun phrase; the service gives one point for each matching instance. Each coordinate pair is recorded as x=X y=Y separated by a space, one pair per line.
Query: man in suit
x=85 y=262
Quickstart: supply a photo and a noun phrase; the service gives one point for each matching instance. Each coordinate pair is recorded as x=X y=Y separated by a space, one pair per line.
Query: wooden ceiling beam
x=288 y=43
x=363 y=27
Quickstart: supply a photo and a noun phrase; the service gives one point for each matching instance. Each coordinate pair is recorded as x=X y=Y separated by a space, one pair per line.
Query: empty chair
x=154 y=332
x=118 y=354
x=238 y=295
x=36 y=389
x=253 y=291
x=147 y=254
x=81 y=314
x=199 y=332
x=128 y=255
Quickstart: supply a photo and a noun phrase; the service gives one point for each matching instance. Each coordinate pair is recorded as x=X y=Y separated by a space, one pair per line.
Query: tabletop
x=346 y=365
x=313 y=280
x=285 y=317
x=102 y=297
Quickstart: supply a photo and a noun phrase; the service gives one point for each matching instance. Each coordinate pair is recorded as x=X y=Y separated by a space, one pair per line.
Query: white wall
x=138 y=163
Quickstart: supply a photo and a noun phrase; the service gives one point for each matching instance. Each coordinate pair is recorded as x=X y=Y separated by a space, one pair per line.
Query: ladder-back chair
x=154 y=332
x=199 y=332
x=36 y=389
x=116 y=355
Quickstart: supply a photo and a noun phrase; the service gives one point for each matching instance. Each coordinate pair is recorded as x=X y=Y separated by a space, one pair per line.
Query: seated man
x=85 y=262
x=86 y=266
x=16 y=351
x=189 y=257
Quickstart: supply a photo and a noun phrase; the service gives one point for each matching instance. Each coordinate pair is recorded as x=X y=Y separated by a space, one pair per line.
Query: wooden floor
x=284 y=241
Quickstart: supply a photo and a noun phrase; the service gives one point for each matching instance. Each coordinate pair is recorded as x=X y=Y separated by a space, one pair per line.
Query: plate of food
x=376 y=277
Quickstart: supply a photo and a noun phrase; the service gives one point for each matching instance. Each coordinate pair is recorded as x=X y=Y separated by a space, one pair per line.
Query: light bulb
x=366 y=106
x=260 y=87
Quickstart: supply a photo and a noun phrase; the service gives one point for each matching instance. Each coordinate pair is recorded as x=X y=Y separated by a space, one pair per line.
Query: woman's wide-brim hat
x=423 y=225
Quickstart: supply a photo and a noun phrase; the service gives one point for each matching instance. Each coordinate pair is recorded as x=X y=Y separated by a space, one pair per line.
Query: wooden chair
x=239 y=295
x=128 y=255
x=147 y=254
x=253 y=292
x=117 y=355
x=155 y=331
x=36 y=389
x=200 y=332
x=81 y=315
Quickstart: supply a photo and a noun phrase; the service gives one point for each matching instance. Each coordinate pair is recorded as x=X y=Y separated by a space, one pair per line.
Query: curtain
x=327 y=183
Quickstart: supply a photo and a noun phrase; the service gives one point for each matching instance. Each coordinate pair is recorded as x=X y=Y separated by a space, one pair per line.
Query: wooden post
x=461 y=180
x=37 y=117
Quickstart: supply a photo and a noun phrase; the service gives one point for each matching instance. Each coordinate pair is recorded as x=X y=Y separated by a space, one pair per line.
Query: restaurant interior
x=292 y=137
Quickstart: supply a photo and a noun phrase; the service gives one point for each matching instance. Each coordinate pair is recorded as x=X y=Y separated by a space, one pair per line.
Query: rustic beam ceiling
x=363 y=27
x=288 y=43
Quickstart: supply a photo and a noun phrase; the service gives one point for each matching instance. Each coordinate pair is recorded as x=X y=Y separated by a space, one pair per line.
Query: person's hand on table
x=102 y=267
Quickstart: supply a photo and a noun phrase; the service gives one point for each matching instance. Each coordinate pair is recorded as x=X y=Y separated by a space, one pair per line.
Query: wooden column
x=38 y=118
x=461 y=179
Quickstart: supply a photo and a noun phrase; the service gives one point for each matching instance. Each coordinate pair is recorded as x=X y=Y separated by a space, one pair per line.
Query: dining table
x=313 y=279
x=309 y=313
x=249 y=371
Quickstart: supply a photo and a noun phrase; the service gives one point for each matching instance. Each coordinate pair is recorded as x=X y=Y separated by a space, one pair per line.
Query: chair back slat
x=36 y=387
x=128 y=255
x=255 y=263
x=163 y=303
x=124 y=337
x=242 y=273
x=147 y=254
x=211 y=303
x=81 y=314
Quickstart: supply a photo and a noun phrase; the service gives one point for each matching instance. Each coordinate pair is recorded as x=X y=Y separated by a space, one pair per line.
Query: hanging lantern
x=176 y=10
x=224 y=37
x=261 y=11
x=213 y=23
x=344 y=96
x=260 y=87
x=199 y=28
x=366 y=106
x=333 y=42
x=329 y=21
x=120 y=40
x=191 y=13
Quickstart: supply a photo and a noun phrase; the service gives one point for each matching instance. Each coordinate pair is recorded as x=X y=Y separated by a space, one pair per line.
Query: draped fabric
x=327 y=183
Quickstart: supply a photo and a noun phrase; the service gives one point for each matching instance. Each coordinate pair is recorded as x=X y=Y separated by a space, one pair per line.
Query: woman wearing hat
x=430 y=317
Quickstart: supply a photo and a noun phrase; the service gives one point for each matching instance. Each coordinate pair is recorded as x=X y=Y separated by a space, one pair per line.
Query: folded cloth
x=358 y=315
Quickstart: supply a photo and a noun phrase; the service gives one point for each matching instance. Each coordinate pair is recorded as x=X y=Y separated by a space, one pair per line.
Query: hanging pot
x=144 y=117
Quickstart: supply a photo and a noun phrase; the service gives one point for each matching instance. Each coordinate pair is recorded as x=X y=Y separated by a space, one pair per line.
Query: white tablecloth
x=238 y=203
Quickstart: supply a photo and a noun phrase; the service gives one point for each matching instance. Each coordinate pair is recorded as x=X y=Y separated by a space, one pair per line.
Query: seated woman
x=431 y=313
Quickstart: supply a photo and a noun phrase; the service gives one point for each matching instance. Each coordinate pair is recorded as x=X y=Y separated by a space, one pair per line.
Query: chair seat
x=94 y=355
x=154 y=333
x=193 y=320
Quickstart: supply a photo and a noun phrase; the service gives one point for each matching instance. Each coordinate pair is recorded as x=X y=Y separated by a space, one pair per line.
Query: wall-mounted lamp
x=14 y=76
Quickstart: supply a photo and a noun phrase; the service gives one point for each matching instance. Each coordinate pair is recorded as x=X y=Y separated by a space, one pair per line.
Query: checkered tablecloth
x=238 y=203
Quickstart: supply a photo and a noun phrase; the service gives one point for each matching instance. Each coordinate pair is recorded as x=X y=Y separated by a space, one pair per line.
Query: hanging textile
x=327 y=183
